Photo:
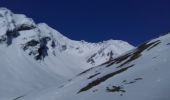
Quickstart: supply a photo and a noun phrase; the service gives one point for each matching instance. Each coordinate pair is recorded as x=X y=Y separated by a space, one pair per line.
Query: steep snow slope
x=140 y=74
x=19 y=74
x=35 y=56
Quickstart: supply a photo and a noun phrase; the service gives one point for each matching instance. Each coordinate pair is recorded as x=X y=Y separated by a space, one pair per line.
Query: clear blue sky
x=95 y=20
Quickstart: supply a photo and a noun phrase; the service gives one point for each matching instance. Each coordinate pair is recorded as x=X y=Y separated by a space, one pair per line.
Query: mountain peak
x=3 y=10
x=39 y=40
x=31 y=53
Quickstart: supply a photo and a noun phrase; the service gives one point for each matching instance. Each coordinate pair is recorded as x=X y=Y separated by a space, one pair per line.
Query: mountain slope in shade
x=35 y=56
x=140 y=74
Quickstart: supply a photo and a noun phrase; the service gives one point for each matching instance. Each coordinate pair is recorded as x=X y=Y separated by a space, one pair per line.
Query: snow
x=34 y=57
x=146 y=79
x=21 y=19
x=23 y=74
x=39 y=63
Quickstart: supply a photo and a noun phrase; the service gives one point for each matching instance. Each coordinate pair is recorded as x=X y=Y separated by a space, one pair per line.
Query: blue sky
x=134 y=21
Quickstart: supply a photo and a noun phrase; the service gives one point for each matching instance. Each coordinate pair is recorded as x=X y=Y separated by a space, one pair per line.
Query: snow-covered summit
x=35 y=56
x=40 y=40
x=11 y=22
x=37 y=63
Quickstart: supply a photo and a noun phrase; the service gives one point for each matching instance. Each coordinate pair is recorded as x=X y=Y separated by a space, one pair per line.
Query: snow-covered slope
x=140 y=74
x=36 y=38
x=35 y=56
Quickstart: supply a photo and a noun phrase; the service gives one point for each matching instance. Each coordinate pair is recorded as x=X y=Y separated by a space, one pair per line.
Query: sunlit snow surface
x=141 y=74
x=34 y=57
x=36 y=62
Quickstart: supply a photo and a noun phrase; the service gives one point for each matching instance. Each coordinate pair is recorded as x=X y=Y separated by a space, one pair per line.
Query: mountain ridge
x=36 y=56
x=15 y=25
